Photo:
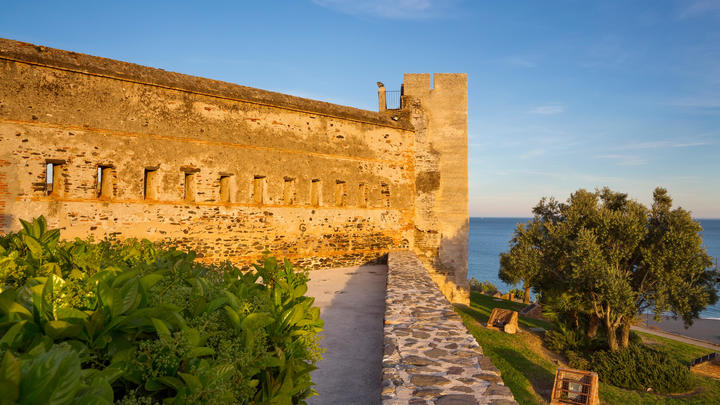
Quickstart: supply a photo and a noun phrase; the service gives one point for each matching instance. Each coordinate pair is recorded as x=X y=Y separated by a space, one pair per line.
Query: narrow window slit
x=150 y=183
x=259 y=189
x=189 y=189
x=54 y=177
x=340 y=193
x=362 y=196
x=105 y=181
x=189 y=182
x=225 y=188
x=289 y=191
x=315 y=192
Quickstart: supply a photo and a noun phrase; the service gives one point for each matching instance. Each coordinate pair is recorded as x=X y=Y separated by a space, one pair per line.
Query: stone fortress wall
x=102 y=147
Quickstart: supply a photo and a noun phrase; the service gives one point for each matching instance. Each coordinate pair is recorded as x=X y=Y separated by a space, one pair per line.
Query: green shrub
x=132 y=323
x=563 y=338
x=488 y=288
x=484 y=287
x=517 y=293
x=640 y=367
x=635 y=338
x=576 y=360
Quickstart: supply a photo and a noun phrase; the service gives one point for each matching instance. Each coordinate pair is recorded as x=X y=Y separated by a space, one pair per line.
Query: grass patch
x=528 y=370
x=680 y=351
x=482 y=305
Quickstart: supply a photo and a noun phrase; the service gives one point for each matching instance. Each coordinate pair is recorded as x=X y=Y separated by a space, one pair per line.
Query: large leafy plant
x=134 y=323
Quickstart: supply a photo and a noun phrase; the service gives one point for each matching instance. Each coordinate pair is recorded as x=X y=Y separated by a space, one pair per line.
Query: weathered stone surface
x=418 y=361
x=456 y=399
x=227 y=170
x=427 y=393
x=441 y=153
x=434 y=357
x=455 y=370
x=436 y=353
x=421 y=380
x=498 y=390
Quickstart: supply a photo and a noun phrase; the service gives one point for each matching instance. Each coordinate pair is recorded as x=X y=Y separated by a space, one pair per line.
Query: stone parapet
x=429 y=356
x=129 y=72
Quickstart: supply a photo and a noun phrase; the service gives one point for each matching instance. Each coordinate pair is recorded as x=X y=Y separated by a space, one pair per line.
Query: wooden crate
x=575 y=387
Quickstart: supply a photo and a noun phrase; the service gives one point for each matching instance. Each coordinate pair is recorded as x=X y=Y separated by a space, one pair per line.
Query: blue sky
x=562 y=94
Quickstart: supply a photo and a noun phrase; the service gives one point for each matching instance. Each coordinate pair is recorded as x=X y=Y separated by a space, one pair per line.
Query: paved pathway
x=684 y=339
x=707 y=330
x=352 y=302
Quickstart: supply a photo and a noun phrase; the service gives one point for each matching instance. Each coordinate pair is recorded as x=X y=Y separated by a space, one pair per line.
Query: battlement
x=421 y=84
x=437 y=108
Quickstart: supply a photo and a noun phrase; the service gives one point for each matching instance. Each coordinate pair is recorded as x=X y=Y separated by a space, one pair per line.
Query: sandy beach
x=707 y=330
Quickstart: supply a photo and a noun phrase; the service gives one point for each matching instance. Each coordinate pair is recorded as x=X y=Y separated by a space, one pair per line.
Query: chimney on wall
x=382 y=105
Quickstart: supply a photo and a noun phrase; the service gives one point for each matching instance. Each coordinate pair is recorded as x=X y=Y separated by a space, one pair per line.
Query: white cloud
x=624 y=160
x=660 y=144
x=548 y=109
x=392 y=9
x=700 y=7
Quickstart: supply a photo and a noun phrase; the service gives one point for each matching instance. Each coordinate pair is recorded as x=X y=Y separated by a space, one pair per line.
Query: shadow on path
x=352 y=303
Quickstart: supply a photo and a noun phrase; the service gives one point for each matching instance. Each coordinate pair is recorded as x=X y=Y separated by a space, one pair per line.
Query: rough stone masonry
x=107 y=148
x=429 y=356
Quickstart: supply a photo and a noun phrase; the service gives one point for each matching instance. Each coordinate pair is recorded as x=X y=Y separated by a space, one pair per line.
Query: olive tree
x=524 y=260
x=615 y=255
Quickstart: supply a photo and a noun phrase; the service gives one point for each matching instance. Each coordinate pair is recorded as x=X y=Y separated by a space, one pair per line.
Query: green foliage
x=84 y=322
x=640 y=367
x=517 y=293
x=488 y=287
x=528 y=371
x=484 y=287
x=577 y=361
x=523 y=263
x=604 y=254
x=563 y=339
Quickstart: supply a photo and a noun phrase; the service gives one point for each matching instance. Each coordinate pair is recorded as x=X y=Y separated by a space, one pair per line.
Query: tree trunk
x=625 y=333
x=593 y=326
x=576 y=319
x=612 y=337
x=526 y=298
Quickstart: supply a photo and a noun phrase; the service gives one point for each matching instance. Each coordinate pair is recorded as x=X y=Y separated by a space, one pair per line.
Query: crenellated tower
x=437 y=108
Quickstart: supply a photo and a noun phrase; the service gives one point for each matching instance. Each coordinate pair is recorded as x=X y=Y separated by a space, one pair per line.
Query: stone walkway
x=429 y=356
x=352 y=303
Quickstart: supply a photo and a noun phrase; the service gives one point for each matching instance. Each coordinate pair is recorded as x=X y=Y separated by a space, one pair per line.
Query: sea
x=490 y=236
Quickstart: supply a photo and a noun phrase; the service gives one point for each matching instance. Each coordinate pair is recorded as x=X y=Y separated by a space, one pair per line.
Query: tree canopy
x=614 y=257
